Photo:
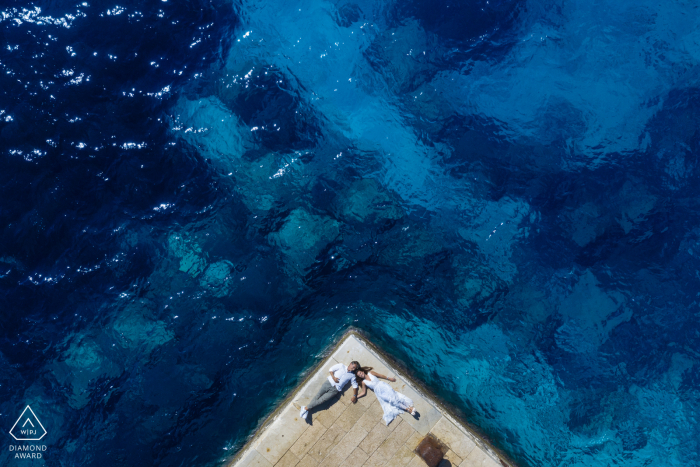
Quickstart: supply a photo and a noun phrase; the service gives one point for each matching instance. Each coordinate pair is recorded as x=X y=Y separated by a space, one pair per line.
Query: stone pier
x=347 y=434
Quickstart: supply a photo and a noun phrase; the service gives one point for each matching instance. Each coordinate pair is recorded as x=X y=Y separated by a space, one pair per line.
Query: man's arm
x=332 y=371
x=353 y=381
x=364 y=391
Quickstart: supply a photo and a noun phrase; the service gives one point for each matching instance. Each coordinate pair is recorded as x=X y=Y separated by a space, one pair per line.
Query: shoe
x=304 y=413
x=414 y=412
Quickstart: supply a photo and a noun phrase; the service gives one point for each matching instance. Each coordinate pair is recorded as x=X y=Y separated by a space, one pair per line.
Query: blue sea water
x=197 y=196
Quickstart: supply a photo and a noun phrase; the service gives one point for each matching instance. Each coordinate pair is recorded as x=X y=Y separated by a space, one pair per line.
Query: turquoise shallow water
x=198 y=197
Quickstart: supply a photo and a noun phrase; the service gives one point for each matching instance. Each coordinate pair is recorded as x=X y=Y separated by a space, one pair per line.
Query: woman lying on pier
x=392 y=402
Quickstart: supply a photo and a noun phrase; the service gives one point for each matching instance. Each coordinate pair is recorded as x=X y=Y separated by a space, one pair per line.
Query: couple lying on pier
x=392 y=402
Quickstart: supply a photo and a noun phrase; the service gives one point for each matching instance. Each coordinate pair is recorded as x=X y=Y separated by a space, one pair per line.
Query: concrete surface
x=355 y=434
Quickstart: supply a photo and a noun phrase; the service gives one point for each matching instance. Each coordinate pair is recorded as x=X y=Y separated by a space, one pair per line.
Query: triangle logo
x=28 y=427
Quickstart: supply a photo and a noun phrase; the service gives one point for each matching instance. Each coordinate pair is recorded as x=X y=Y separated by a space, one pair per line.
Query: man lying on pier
x=339 y=377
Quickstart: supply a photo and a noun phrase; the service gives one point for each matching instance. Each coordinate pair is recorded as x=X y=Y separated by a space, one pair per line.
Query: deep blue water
x=197 y=196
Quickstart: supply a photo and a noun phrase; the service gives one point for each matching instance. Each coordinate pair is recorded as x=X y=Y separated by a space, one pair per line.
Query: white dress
x=393 y=403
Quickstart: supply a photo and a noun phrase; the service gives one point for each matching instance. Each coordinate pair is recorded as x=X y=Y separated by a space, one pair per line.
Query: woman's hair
x=365 y=369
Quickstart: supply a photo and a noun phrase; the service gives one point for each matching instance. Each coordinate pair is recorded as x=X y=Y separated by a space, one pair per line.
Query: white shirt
x=340 y=371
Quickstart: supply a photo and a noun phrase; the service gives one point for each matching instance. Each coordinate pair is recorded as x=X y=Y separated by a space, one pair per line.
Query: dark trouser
x=326 y=393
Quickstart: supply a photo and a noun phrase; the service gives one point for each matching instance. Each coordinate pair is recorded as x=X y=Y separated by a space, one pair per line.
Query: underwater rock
x=430 y=112
x=120 y=263
x=267 y=180
x=530 y=300
x=402 y=55
x=688 y=255
x=84 y=355
x=629 y=208
x=559 y=121
x=254 y=184
x=474 y=282
x=672 y=137
x=190 y=253
x=366 y=200
x=586 y=223
x=635 y=203
x=493 y=343
x=472 y=288
x=303 y=236
x=217 y=278
x=496 y=230
x=409 y=248
x=593 y=411
x=82 y=363
x=347 y=14
x=196 y=380
x=136 y=328
x=590 y=315
x=574 y=337
x=270 y=106
x=213 y=129
x=458 y=22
